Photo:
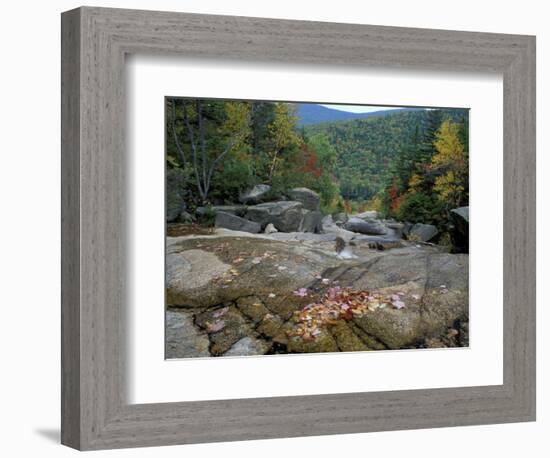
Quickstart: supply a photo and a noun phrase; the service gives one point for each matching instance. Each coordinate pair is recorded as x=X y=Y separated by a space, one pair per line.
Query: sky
x=360 y=108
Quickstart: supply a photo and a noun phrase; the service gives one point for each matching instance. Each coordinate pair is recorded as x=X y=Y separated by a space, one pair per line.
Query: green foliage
x=419 y=207
x=208 y=217
x=371 y=152
x=231 y=180
x=411 y=165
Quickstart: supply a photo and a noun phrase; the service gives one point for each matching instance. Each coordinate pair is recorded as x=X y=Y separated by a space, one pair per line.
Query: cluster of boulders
x=298 y=211
x=233 y=292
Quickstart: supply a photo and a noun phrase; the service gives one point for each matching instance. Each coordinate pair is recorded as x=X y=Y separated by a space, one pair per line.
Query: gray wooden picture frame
x=95 y=412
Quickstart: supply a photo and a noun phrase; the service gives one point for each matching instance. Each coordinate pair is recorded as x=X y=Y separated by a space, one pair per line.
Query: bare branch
x=181 y=152
x=202 y=145
x=193 y=149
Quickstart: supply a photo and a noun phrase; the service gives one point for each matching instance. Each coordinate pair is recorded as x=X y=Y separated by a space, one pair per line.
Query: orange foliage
x=347 y=206
x=311 y=161
x=395 y=198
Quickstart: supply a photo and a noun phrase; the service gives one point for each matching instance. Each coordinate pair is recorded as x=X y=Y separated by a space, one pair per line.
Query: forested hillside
x=371 y=151
x=411 y=165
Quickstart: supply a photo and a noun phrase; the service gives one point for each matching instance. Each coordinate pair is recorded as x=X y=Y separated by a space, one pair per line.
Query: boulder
x=190 y=270
x=407 y=225
x=257 y=194
x=397 y=229
x=368 y=227
x=270 y=229
x=309 y=199
x=225 y=326
x=330 y=227
x=247 y=346
x=340 y=218
x=460 y=234
x=174 y=198
x=236 y=223
x=238 y=210
x=201 y=271
x=433 y=287
x=422 y=232
x=311 y=221
x=371 y=214
x=183 y=339
x=286 y=216
x=186 y=218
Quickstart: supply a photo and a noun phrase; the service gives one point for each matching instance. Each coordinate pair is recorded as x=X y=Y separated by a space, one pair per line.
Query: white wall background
x=29 y=228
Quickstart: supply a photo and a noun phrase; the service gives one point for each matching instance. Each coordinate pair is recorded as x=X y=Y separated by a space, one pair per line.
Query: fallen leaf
x=398 y=304
x=215 y=327
x=220 y=312
x=302 y=292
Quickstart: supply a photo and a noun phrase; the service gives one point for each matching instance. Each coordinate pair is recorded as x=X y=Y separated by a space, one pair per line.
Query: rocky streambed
x=233 y=293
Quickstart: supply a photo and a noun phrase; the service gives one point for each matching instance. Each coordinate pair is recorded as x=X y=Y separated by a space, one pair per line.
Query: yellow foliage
x=452 y=162
x=449 y=187
x=450 y=151
x=237 y=125
x=282 y=128
x=415 y=181
x=375 y=203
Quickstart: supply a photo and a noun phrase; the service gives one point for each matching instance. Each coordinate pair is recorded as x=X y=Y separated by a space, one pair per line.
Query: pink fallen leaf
x=220 y=312
x=395 y=297
x=332 y=292
x=398 y=304
x=302 y=292
x=216 y=326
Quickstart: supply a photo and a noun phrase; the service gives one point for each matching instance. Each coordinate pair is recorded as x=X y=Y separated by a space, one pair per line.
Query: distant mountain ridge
x=311 y=113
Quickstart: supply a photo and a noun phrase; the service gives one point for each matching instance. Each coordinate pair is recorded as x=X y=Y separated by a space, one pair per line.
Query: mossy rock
x=323 y=343
x=346 y=339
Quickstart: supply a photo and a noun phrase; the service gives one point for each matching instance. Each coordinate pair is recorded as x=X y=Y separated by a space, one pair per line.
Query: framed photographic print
x=283 y=228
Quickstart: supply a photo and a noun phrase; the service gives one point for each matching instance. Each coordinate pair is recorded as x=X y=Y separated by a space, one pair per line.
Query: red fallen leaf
x=348 y=314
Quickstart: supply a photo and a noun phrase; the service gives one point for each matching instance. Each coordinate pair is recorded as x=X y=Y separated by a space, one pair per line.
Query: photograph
x=297 y=227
